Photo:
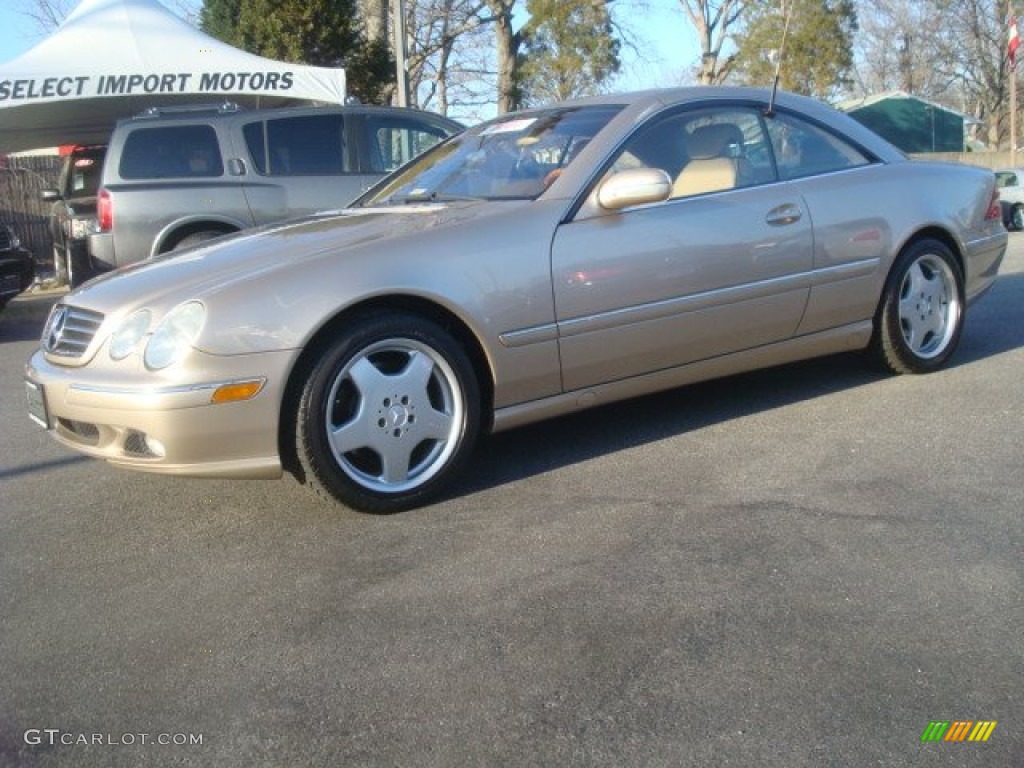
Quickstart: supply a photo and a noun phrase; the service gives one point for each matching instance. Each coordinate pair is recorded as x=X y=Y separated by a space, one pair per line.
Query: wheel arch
x=177 y=231
x=945 y=237
x=879 y=350
x=414 y=305
x=928 y=233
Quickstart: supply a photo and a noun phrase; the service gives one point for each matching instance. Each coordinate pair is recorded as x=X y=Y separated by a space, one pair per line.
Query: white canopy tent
x=114 y=58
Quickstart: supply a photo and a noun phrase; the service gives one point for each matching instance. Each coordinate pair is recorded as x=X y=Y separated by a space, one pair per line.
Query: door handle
x=783 y=215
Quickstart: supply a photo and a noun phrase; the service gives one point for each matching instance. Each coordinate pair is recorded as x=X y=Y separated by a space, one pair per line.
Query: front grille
x=69 y=330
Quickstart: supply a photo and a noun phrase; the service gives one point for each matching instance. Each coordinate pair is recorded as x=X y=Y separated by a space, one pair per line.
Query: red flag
x=1014 y=42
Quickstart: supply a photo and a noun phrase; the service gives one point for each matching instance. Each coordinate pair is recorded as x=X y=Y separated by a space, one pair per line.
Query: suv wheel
x=197 y=237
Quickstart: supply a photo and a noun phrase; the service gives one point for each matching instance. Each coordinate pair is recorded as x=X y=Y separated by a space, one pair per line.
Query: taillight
x=995 y=211
x=105 y=211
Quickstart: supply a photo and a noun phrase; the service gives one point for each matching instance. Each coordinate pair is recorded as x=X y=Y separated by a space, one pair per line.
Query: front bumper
x=169 y=427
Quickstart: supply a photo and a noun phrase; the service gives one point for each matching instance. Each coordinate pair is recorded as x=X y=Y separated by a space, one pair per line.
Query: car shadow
x=19 y=330
x=540 y=448
x=994 y=326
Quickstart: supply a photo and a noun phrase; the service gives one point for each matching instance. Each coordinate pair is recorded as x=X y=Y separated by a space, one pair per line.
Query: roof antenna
x=770 y=109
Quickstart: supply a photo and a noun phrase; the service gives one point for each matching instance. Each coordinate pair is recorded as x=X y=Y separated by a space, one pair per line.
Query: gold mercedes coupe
x=543 y=262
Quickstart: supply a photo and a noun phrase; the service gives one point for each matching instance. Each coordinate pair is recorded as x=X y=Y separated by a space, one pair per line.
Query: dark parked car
x=73 y=213
x=17 y=269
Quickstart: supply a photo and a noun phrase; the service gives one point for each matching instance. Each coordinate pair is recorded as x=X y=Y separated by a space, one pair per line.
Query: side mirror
x=49 y=195
x=635 y=187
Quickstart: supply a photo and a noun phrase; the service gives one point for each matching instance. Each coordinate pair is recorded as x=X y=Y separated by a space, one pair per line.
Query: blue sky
x=668 y=46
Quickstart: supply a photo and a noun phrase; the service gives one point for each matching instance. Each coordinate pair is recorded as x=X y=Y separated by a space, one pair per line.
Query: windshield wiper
x=422 y=196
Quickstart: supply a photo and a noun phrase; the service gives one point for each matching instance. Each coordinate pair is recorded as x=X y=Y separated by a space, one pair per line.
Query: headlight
x=174 y=337
x=128 y=335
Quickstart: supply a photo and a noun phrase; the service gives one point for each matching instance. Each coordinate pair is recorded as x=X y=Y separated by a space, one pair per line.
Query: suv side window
x=394 y=141
x=174 y=151
x=298 y=146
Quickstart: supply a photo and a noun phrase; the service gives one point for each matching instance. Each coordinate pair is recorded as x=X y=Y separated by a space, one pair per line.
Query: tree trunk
x=507 y=46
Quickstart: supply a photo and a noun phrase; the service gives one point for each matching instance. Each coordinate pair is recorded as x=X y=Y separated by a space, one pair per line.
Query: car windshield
x=515 y=157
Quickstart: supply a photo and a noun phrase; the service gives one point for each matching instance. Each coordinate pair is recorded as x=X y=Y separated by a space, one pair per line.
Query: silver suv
x=176 y=176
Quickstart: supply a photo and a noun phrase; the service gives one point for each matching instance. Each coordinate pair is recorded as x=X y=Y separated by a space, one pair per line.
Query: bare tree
x=50 y=14
x=507 y=41
x=897 y=49
x=713 y=20
x=976 y=59
x=448 y=52
x=47 y=14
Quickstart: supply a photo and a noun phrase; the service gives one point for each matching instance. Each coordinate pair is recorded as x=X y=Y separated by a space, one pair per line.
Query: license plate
x=37 y=404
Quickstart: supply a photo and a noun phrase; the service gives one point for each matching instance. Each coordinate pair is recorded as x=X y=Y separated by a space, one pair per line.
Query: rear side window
x=298 y=146
x=395 y=141
x=174 y=151
x=802 y=149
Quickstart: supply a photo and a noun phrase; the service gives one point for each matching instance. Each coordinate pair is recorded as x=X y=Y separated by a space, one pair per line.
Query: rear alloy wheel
x=921 y=315
x=388 y=414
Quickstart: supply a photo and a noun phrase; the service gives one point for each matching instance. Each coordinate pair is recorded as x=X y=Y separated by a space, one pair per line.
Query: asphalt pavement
x=805 y=566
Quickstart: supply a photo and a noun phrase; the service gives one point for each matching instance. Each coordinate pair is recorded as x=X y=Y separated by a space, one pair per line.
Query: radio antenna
x=770 y=110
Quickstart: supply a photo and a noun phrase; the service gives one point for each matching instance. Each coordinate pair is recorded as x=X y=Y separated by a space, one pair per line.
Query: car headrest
x=712 y=140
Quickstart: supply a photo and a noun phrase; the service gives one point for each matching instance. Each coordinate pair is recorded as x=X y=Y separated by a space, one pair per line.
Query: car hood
x=261 y=254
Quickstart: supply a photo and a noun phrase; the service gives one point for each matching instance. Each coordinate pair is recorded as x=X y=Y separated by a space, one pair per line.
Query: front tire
x=921 y=314
x=388 y=414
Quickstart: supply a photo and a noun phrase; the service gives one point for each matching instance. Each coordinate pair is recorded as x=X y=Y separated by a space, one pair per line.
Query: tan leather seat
x=710 y=168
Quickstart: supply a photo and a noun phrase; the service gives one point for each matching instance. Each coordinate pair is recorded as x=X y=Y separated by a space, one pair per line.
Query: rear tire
x=388 y=415
x=920 y=318
x=1017 y=218
x=197 y=237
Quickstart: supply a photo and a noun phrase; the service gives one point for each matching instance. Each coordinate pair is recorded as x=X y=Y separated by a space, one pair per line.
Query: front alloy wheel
x=388 y=414
x=922 y=310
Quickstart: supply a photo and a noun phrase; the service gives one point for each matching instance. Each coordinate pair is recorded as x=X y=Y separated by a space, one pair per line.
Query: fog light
x=238 y=390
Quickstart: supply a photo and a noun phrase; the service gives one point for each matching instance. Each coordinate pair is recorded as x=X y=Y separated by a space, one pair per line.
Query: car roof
x=644 y=102
x=229 y=110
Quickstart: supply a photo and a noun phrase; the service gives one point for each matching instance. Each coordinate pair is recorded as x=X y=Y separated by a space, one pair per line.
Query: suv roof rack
x=190 y=109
